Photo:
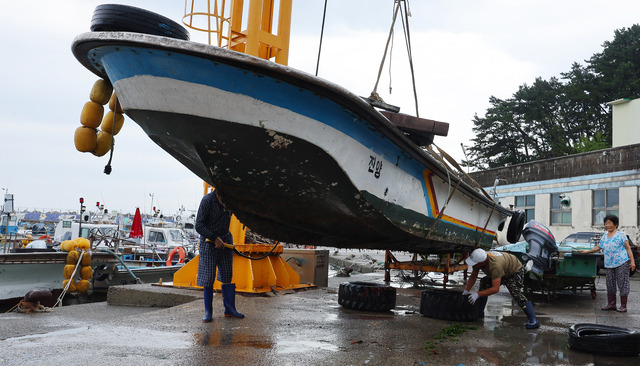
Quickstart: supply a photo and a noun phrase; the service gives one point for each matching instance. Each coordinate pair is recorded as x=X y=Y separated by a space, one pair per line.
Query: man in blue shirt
x=212 y=223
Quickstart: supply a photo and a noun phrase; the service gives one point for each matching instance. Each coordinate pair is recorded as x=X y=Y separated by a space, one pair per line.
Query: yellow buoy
x=86 y=259
x=86 y=272
x=107 y=123
x=85 y=139
x=83 y=243
x=114 y=103
x=101 y=92
x=72 y=257
x=91 y=115
x=68 y=271
x=83 y=286
x=72 y=286
x=68 y=245
x=103 y=144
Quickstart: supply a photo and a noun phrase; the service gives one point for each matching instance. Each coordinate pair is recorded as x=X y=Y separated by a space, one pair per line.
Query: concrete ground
x=304 y=328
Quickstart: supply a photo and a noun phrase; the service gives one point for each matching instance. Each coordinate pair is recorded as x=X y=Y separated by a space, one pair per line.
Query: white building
x=574 y=193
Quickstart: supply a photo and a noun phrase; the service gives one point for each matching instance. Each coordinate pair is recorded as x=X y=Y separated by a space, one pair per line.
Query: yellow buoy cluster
x=77 y=268
x=87 y=137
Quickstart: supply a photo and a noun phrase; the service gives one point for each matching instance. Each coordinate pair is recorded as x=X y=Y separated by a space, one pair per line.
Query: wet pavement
x=306 y=328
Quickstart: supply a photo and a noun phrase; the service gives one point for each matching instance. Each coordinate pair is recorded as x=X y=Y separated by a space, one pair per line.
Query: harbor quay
x=149 y=324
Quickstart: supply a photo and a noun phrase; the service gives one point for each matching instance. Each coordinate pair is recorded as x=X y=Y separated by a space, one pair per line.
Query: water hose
x=123 y=264
x=231 y=246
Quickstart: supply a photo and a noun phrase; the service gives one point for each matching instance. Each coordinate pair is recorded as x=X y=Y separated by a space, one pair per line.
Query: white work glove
x=473 y=296
x=466 y=292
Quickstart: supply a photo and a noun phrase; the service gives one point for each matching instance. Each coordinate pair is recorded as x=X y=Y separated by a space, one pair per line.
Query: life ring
x=47 y=238
x=181 y=254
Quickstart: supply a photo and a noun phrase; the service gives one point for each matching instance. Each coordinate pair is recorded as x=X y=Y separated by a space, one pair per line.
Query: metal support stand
x=445 y=268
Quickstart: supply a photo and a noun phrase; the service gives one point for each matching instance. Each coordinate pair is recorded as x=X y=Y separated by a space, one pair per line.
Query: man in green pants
x=500 y=269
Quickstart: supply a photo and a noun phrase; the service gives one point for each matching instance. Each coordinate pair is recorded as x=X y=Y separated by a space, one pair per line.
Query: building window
x=560 y=215
x=528 y=205
x=605 y=202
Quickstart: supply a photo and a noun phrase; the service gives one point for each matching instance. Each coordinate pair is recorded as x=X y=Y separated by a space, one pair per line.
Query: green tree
x=559 y=116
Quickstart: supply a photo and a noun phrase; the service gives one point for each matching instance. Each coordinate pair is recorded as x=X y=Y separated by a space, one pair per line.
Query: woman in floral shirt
x=618 y=260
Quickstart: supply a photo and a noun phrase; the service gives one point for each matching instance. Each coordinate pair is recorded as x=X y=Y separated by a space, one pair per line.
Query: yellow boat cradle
x=256 y=276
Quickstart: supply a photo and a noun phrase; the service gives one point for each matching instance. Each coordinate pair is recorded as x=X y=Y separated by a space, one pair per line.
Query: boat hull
x=22 y=272
x=295 y=158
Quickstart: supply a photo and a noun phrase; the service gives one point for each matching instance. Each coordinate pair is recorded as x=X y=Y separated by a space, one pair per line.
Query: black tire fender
x=604 y=339
x=124 y=18
x=103 y=272
x=450 y=305
x=367 y=296
x=515 y=226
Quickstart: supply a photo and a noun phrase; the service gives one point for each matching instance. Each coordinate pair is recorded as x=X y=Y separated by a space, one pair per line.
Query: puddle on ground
x=144 y=338
x=537 y=348
x=301 y=346
x=227 y=337
x=50 y=334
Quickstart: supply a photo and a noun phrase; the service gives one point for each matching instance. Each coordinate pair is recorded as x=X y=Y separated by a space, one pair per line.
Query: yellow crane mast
x=223 y=22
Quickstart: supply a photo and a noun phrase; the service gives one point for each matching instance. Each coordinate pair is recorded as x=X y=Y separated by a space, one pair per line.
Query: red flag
x=136 y=226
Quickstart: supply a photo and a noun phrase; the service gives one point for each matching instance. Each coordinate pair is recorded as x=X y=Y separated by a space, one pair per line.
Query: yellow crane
x=222 y=21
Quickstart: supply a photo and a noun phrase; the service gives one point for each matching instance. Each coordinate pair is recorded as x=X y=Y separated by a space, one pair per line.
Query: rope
x=107 y=168
x=407 y=37
x=374 y=93
x=457 y=166
x=451 y=191
x=73 y=275
x=324 y=14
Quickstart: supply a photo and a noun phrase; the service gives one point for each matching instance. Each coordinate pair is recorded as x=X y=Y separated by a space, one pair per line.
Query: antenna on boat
x=466 y=159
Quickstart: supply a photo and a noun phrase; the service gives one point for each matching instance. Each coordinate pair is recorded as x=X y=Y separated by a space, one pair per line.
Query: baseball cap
x=477 y=256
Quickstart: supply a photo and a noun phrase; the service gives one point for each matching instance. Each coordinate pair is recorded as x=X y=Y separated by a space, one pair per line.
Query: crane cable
x=374 y=93
x=407 y=37
x=405 y=25
x=324 y=15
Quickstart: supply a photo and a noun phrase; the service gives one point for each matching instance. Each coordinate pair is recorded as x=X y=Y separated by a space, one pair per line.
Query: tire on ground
x=608 y=340
x=367 y=296
x=124 y=18
x=515 y=226
x=450 y=305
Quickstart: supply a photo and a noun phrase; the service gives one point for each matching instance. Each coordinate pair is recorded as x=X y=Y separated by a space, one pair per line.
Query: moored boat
x=295 y=157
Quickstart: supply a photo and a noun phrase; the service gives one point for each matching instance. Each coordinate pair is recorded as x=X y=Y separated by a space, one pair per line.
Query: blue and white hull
x=296 y=158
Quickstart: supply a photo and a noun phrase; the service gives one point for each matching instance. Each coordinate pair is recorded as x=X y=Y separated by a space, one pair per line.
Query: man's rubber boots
x=623 y=304
x=611 y=302
x=229 y=301
x=208 y=304
x=531 y=315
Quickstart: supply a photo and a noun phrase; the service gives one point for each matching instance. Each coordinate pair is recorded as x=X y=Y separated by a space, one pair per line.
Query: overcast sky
x=463 y=52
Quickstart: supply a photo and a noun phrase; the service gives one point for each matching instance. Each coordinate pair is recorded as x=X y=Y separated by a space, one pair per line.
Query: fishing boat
x=295 y=157
x=114 y=261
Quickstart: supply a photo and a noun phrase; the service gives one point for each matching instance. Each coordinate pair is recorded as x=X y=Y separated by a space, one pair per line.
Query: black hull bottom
x=293 y=192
